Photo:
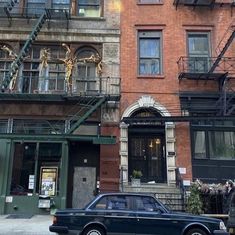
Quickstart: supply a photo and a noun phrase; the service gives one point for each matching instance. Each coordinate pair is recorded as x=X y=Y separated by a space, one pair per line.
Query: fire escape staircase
x=86 y=108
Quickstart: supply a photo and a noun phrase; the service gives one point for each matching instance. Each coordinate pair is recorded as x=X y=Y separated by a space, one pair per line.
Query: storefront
x=34 y=171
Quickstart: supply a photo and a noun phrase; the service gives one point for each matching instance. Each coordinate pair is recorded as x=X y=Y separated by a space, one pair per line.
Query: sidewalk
x=36 y=225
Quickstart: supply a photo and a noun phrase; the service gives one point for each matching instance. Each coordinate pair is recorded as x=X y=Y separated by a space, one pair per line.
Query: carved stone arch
x=148 y=102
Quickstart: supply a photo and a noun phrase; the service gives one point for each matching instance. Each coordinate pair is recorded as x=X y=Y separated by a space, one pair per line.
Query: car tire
x=95 y=230
x=196 y=231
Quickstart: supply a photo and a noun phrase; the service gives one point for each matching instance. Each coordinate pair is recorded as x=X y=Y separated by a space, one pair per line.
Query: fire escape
x=220 y=69
x=85 y=104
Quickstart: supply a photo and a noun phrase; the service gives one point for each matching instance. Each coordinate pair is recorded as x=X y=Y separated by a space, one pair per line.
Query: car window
x=116 y=202
x=146 y=204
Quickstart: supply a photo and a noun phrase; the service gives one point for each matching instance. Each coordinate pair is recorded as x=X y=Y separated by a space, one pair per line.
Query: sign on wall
x=48 y=181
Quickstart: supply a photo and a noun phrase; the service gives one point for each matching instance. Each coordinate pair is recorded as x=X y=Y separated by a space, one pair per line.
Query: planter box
x=135 y=182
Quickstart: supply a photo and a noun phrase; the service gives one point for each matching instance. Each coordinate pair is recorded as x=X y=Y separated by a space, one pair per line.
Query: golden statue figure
x=13 y=56
x=69 y=62
x=94 y=59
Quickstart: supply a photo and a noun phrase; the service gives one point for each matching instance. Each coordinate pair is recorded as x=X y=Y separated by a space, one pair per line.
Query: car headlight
x=222 y=226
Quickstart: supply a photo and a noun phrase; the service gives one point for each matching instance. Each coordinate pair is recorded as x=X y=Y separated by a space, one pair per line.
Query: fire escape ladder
x=84 y=112
x=8 y=7
x=18 y=61
x=222 y=52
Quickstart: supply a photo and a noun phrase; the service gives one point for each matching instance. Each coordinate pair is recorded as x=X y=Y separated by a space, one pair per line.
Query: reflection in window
x=35 y=7
x=61 y=4
x=89 y=8
x=149 y=53
x=222 y=144
x=199 y=144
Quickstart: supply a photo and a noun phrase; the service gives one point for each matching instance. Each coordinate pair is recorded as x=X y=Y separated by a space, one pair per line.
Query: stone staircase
x=171 y=196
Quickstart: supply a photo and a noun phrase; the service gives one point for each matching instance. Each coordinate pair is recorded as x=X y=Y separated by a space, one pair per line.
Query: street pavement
x=36 y=225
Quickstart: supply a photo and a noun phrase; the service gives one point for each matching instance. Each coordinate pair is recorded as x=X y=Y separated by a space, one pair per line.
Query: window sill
x=160 y=2
x=87 y=18
x=150 y=77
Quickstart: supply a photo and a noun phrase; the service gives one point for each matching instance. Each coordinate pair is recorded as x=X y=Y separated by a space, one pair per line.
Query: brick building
x=177 y=92
x=59 y=119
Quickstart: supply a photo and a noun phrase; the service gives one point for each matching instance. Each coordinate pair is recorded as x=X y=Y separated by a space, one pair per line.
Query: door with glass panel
x=147 y=155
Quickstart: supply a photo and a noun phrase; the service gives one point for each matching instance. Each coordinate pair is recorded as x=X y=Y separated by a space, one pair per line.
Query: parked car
x=133 y=214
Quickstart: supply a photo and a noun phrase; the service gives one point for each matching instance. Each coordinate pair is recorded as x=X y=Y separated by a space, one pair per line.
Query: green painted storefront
x=11 y=147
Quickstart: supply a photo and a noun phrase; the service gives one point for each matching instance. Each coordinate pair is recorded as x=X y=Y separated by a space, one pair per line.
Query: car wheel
x=94 y=231
x=196 y=231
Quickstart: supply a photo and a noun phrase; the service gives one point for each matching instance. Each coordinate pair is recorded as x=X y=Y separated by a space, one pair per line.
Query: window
x=89 y=8
x=54 y=76
x=149 y=53
x=87 y=72
x=146 y=204
x=27 y=162
x=214 y=141
x=5 y=63
x=35 y=7
x=61 y=4
x=38 y=127
x=198 y=52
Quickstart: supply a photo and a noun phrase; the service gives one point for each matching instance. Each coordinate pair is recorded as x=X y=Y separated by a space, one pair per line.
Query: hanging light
x=158 y=141
x=151 y=144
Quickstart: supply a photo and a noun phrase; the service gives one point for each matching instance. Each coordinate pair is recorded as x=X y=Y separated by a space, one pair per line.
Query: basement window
x=150 y=1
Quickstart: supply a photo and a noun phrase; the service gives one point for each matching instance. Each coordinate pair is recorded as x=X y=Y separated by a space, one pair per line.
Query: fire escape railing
x=202 y=66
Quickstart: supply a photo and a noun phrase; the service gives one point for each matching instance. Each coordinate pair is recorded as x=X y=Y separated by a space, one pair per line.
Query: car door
x=119 y=216
x=152 y=219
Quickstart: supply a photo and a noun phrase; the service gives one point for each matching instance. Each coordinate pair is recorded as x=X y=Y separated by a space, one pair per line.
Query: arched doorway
x=147 y=148
x=157 y=139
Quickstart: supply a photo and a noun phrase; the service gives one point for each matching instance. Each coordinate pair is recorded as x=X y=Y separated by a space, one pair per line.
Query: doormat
x=19 y=216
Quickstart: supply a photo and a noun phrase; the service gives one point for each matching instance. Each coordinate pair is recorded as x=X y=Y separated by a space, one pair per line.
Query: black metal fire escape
x=85 y=105
x=215 y=71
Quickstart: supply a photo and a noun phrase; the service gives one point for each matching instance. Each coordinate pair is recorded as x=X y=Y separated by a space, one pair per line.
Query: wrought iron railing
x=203 y=65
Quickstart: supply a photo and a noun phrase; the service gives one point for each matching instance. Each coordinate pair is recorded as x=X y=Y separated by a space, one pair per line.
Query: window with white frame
x=5 y=63
x=150 y=58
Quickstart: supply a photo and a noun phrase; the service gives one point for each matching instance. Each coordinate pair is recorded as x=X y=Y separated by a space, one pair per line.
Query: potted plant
x=135 y=177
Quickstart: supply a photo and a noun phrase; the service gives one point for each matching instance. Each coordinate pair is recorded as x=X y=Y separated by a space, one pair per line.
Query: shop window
x=38 y=127
x=89 y=8
x=198 y=52
x=222 y=144
x=3 y=126
x=149 y=53
x=36 y=168
x=213 y=140
x=199 y=144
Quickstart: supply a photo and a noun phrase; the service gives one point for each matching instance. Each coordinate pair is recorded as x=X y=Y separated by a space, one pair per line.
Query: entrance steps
x=171 y=196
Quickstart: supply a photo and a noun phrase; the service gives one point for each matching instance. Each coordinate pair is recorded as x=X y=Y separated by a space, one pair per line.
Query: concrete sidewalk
x=36 y=225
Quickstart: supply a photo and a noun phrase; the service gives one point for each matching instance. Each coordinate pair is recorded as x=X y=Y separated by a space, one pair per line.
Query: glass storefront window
x=28 y=161
x=23 y=169
x=199 y=144
x=222 y=144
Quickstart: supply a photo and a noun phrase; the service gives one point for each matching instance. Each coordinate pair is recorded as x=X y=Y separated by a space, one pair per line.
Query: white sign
x=182 y=170
x=186 y=182
x=9 y=199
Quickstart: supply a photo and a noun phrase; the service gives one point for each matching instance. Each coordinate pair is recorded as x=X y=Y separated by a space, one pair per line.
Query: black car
x=132 y=214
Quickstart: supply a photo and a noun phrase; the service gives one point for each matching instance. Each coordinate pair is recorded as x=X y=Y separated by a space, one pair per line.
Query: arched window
x=87 y=77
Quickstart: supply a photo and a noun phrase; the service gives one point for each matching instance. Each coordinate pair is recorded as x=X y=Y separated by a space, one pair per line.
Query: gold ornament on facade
x=93 y=59
x=69 y=62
